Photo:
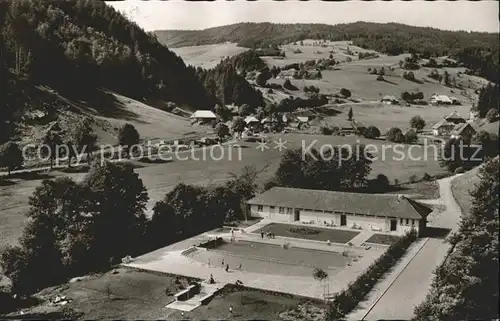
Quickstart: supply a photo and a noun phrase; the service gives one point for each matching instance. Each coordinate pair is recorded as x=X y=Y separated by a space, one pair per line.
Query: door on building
x=296 y=215
x=343 y=220
x=394 y=225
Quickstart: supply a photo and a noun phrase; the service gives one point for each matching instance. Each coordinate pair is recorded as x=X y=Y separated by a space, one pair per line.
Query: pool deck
x=170 y=259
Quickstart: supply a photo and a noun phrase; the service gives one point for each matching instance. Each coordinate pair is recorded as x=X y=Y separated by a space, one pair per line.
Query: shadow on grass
x=437 y=232
x=75 y=170
x=11 y=305
x=6 y=182
x=147 y=160
x=389 y=82
x=108 y=106
x=56 y=315
x=31 y=175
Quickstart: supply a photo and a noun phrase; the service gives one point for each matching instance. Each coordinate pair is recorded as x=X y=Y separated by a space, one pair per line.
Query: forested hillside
x=226 y=83
x=71 y=45
x=80 y=47
x=477 y=51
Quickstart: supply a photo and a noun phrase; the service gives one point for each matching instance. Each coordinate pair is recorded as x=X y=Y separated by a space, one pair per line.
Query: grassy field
x=207 y=56
x=318 y=234
x=383 y=239
x=160 y=178
x=131 y=294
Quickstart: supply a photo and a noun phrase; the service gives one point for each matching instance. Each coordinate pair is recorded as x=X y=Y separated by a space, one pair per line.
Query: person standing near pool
x=230 y=311
x=222 y=263
x=262 y=234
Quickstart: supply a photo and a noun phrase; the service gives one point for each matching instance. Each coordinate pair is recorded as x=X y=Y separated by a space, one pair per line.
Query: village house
x=286 y=74
x=251 y=120
x=461 y=131
x=440 y=100
x=203 y=116
x=389 y=100
x=446 y=125
x=376 y=212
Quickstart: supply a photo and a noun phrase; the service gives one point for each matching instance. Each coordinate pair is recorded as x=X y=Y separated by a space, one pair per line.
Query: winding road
x=412 y=285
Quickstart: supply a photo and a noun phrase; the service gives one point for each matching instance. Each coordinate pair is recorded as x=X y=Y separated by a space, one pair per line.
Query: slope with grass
x=461 y=187
x=207 y=56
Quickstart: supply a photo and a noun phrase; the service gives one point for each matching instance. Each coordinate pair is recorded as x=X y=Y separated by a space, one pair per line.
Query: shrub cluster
x=346 y=300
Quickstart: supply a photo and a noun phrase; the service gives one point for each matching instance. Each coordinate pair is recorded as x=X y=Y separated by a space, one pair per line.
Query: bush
x=345 y=92
x=395 y=135
x=288 y=85
x=492 y=115
x=371 y=132
x=413 y=179
x=411 y=137
x=427 y=177
x=326 y=130
x=417 y=122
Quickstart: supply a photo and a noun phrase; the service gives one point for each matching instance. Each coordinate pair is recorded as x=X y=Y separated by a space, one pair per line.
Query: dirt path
x=413 y=283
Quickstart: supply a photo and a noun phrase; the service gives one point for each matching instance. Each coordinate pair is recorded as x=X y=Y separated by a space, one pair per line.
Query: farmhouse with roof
x=446 y=125
x=389 y=100
x=376 y=212
x=203 y=116
x=464 y=130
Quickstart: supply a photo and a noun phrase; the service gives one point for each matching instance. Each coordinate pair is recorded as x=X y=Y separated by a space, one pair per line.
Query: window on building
x=272 y=209
x=407 y=221
x=281 y=210
x=401 y=221
x=260 y=208
x=289 y=210
x=412 y=222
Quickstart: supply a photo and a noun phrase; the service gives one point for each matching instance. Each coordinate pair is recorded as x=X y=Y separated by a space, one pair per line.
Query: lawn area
x=196 y=168
x=383 y=239
x=131 y=294
x=461 y=186
x=396 y=162
x=309 y=232
x=419 y=190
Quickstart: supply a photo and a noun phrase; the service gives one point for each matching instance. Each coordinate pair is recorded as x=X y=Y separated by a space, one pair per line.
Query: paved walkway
x=412 y=285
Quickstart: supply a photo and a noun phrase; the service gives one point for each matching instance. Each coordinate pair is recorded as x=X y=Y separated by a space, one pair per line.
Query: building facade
x=384 y=213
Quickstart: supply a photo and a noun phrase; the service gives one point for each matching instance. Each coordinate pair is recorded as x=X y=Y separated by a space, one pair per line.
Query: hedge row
x=345 y=301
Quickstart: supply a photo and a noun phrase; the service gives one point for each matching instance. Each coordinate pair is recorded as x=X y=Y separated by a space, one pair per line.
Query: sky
x=178 y=14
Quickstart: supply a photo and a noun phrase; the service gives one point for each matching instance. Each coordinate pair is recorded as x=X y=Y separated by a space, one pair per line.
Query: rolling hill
x=477 y=51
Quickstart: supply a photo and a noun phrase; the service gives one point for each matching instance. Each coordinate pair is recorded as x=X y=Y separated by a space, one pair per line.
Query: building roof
x=453 y=115
x=442 y=98
x=208 y=114
x=369 y=204
x=459 y=128
x=389 y=97
x=251 y=119
x=443 y=123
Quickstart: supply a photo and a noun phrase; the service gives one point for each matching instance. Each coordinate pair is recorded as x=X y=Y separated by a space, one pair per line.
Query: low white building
x=203 y=115
x=251 y=120
x=375 y=212
x=389 y=100
x=441 y=100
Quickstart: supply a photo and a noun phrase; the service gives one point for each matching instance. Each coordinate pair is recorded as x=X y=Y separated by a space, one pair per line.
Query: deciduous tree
x=11 y=156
